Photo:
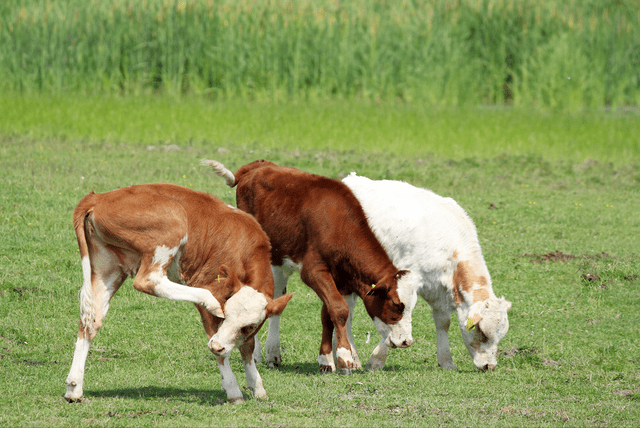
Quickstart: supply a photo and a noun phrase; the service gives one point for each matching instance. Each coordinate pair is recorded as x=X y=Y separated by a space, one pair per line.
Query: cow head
x=484 y=326
x=244 y=313
x=390 y=303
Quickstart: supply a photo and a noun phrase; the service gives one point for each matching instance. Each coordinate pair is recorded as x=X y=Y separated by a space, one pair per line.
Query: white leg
x=95 y=297
x=272 y=347
x=442 y=320
x=173 y=291
x=254 y=381
x=326 y=362
x=76 y=374
x=229 y=382
x=378 y=356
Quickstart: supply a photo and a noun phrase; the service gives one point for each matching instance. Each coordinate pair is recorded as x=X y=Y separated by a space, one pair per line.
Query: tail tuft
x=220 y=170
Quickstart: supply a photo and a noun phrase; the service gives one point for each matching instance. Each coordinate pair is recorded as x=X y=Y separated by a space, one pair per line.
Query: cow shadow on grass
x=311 y=369
x=205 y=397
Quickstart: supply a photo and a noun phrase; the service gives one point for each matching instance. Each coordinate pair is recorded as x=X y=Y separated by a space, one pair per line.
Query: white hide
x=429 y=235
x=244 y=312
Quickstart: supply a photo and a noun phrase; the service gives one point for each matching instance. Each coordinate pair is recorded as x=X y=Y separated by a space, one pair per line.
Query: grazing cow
x=435 y=239
x=316 y=226
x=166 y=236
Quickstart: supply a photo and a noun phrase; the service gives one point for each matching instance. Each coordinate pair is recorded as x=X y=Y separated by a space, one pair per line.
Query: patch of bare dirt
x=555 y=256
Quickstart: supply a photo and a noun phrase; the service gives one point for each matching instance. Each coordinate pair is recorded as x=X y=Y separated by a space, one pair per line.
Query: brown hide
x=138 y=219
x=317 y=221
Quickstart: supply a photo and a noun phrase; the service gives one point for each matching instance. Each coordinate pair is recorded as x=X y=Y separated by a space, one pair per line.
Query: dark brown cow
x=166 y=236
x=317 y=226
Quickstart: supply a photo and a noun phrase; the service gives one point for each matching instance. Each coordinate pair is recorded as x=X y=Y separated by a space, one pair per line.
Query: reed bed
x=546 y=53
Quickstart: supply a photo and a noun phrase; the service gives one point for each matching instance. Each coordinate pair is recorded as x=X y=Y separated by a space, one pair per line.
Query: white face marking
x=482 y=342
x=399 y=334
x=244 y=312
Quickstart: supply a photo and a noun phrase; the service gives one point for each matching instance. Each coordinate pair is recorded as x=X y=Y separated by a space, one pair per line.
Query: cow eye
x=482 y=335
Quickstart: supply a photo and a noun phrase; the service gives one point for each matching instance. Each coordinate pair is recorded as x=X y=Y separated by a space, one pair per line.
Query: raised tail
x=220 y=170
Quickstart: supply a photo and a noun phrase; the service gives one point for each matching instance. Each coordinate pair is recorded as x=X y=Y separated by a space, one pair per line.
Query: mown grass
x=414 y=130
x=558 y=54
x=570 y=357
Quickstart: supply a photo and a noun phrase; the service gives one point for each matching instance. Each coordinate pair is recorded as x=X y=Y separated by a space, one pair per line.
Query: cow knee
x=144 y=284
x=339 y=313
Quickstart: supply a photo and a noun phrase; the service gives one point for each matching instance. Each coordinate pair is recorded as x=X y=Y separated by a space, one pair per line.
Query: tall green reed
x=545 y=53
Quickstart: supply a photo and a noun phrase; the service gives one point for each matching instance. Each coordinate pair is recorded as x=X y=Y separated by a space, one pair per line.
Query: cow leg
x=254 y=381
x=229 y=382
x=325 y=359
x=335 y=312
x=95 y=296
x=272 y=348
x=442 y=320
x=351 y=300
x=378 y=356
x=152 y=279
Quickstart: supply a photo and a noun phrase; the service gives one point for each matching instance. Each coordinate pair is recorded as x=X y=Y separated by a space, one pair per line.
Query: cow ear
x=378 y=289
x=508 y=304
x=382 y=287
x=472 y=322
x=372 y=291
x=275 y=307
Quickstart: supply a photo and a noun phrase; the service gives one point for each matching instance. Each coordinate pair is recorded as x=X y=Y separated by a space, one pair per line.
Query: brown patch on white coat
x=466 y=280
x=435 y=239
x=486 y=321
x=179 y=244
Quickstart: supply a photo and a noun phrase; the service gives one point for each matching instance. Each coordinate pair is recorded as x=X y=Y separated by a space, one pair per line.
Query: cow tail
x=222 y=171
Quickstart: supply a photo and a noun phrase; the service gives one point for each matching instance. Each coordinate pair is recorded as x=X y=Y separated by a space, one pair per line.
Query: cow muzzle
x=218 y=349
x=399 y=344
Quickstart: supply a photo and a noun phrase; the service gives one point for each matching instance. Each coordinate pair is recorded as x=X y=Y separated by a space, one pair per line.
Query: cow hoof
x=347 y=372
x=326 y=369
x=236 y=400
x=448 y=366
x=73 y=400
x=372 y=367
x=260 y=396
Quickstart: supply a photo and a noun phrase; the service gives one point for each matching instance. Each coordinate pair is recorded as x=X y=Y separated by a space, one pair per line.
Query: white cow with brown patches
x=435 y=240
x=179 y=244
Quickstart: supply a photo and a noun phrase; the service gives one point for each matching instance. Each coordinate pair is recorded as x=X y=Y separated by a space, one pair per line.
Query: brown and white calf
x=317 y=226
x=179 y=244
x=434 y=238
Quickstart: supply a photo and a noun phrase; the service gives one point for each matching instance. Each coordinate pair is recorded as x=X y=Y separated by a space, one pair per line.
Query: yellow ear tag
x=470 y=324
x=218 y=278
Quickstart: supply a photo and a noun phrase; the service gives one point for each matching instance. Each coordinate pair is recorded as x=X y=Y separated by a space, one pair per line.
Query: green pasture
x=406 y=129
x=555 y=198
x=525 y=112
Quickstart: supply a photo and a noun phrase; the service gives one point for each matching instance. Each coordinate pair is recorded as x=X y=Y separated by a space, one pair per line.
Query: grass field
x=555 y=201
